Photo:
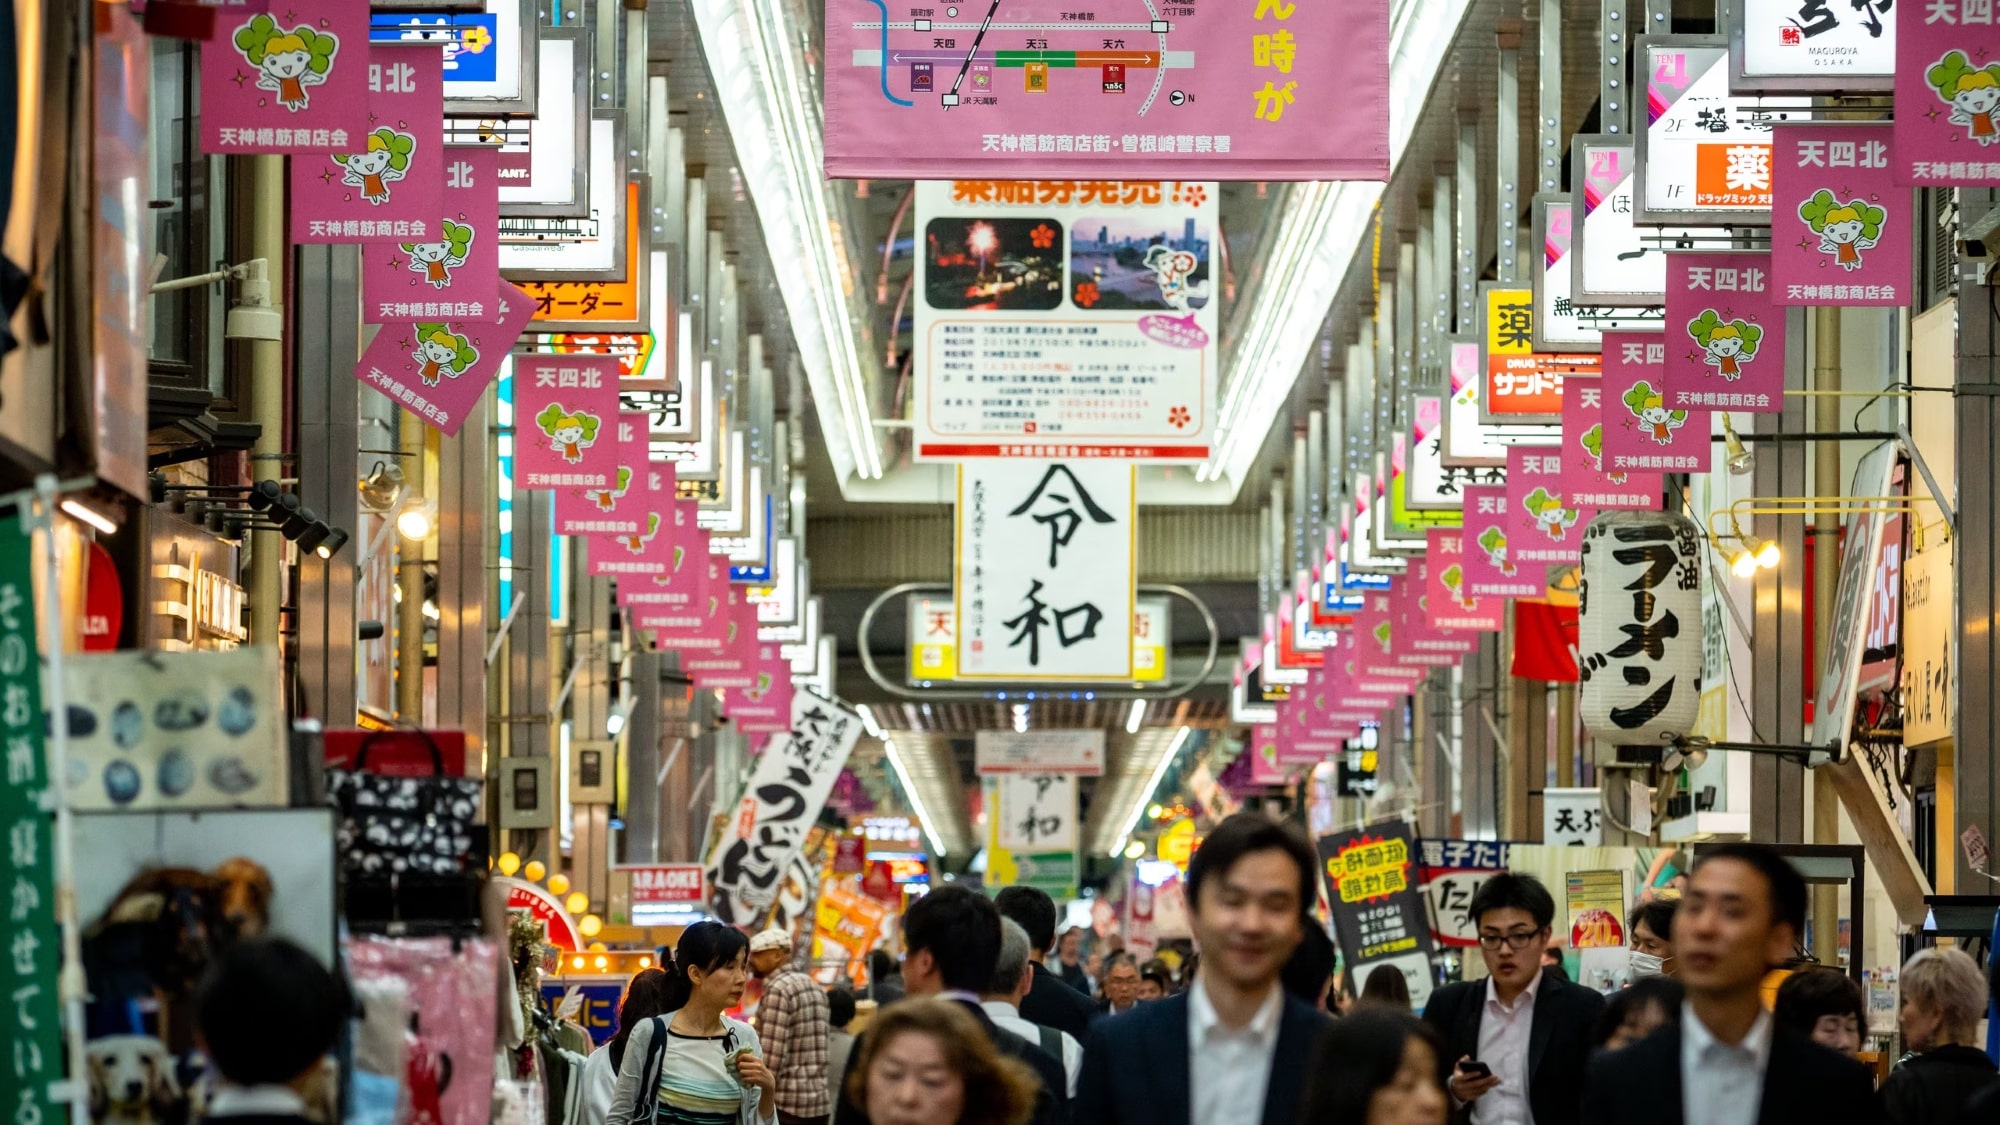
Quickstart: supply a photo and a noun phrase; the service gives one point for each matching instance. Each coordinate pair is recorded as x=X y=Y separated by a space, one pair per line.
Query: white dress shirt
x=1504 y=1032
x=256 y=1101
x=1722 y=1083
x=1008 y=1016
x=1229 y=1070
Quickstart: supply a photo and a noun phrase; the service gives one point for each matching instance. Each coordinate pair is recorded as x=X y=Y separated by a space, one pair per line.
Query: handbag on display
x=402 y=825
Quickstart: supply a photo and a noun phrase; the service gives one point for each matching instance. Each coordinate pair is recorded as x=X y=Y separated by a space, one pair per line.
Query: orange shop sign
x=596 y=304
x=1522 y=383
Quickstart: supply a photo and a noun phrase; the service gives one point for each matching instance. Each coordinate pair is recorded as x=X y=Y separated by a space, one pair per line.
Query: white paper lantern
x=1639 y=627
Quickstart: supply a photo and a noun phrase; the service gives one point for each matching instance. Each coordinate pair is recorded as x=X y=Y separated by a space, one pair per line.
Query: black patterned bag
x=391 y=825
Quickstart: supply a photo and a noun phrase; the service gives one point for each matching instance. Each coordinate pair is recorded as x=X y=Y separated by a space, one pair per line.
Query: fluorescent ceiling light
x=1137 y=716
x=868 y=722
x=1146 y=795
x=81 y=511
x=916 y=802
x=1320 y=229
x=771 y=101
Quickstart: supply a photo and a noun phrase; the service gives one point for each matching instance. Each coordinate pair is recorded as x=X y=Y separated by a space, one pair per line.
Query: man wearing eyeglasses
x=1515 y=1043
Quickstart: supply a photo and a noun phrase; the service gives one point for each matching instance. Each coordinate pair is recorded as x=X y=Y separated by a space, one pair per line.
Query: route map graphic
x=1133 y=88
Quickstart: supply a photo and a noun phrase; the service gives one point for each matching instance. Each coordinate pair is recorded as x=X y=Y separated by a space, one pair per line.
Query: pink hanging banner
x=1840 y=227
x=1263 y=751
x=1725 y=340
x=1584 y=477
x=454 y=269
x=388 y=182
x=1547 y=527
x=623 y=507
x=1947 y=127
x=1423 y=645
x=294 y=81
x=438 y=368
x=711 y=636
x=1641 y=432
x=679 y=578
x=1245 y=90
x=565 y=407
x=1448 y=605
x=765 y=707
x=648 y=551
x=1489 y=569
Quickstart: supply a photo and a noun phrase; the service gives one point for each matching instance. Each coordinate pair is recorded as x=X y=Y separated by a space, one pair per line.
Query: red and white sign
x=544 y=908
x=667 y=884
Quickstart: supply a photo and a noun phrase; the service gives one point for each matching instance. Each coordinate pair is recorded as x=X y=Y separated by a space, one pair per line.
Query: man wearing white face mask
x=1652 y=926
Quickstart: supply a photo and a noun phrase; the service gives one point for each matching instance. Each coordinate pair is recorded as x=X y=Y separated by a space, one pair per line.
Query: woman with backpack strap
x=693 y=1065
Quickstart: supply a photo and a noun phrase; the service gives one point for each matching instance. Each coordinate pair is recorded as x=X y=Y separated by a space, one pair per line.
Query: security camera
x=1979 y=239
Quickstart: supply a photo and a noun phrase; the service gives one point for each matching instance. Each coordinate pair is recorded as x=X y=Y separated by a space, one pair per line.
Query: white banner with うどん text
x=790 y=785
x=1065 y=318
x=1044 y=572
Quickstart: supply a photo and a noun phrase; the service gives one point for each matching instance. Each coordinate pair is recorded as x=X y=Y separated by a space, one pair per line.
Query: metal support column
x=1549 y=138
x=1777 y=633
x=1438 y=298
x=1614 y=115
x=1827 y=481
x=1507 y=156
x=326 y=332
x=1479 y=780
x=1976 y=791
x=530 y=664
x=465 y=463
x=1467 y=318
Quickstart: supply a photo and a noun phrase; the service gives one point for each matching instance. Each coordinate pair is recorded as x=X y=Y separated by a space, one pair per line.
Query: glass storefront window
x=187 y=231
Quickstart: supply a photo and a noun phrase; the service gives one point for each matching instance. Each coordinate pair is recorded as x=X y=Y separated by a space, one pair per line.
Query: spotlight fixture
x=1767 y=554
x=298 y=520
x=417 y=519
x=382 y=488
x=1742 y=563
x=266 y=493
x=1740 y=460
x=336 y=538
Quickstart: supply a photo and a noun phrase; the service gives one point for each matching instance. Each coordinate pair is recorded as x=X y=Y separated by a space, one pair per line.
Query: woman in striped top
x=694 y=1065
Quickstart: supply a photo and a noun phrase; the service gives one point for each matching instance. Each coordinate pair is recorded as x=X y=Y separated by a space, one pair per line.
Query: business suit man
x=952 y=940
x=1727 y=1062
x=1234 y=1047
x=1049 y=1001
x=1530 y=1027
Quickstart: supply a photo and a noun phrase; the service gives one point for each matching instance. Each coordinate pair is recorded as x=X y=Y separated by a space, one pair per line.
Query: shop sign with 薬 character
x=1044 y=576
x=1704 y=155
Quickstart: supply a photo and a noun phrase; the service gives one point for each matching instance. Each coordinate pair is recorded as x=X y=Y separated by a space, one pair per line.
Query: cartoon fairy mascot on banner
x=442 y=353
x=436 y=260
x=569 y=433
x=637 y=543
x=1730 y=344
x=607 y=499
x=1593 y=444
x=1844 y=229
x=288 y=62
x=1972 y=92
x=1549 y=513
x=1494 y=542
x=1650 y=408
x=385 y=161
x=1453 y=578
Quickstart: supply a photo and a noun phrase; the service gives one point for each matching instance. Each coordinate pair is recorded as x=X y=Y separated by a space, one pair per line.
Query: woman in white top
x=646 y=996
x=696 y=1066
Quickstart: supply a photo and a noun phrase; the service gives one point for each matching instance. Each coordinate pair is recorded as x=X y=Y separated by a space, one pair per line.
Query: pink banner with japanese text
x=1247 y=90
x=438 y=368
x=565 y=415
x=389 y=182
x=654 y=549
x=453 y=269
x=1840 y=227
x=1725 y=339
x=1947 y=126
x=1421 y=644
x=291 y=82
x=1641 y=432
x=1448 y=605
x=1586 y=479
x=1547 y=526
x=1489 y=568
x=622 y=507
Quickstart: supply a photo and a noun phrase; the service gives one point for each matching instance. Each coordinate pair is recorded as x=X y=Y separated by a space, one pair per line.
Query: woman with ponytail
x=688 y=1064
x=645 y=997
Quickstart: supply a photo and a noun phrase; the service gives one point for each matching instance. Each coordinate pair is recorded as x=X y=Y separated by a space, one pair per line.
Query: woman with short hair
x=926 y=1062
x=1944 y=998
x=1376 y=1066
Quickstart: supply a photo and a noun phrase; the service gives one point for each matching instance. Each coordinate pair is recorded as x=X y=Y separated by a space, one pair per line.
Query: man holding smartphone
x=1517 y=1042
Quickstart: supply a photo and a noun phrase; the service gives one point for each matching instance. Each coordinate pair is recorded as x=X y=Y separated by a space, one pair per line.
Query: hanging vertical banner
x=1490 y=569
x=1948 y=96
x=1419 y=643
x=1573 y=818
x=1860 y=555
x=1613 y=261
x=289 y=82
x=1161 y=92
x=565 y=421
x=1930 y=682
x=933 y=639
x=390 y=181
x=620 y=507
x=1704 y=154
x=1547 y=527
x=787 y=789
x=1641 y=432
x=1563 y=322
x=1265 y=768
x=1815 y=45
x=33 y=1015
x=1378 y=911
x=1522 y=384
x=1068 y=318
x=1840 y=227
x=1426 y=483
x=1725 y=345
x=1639 y=628
x=1448 y=604
x=454 y=268
x=1587 y=479
x=438 y=368
x=1043 y=583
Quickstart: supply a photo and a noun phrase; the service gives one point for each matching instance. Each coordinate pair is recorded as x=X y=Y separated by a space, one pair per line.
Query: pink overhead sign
x=1840 y=227
x=1725 y=339
x=453 y=269
x=387 y=182
x=438 y=368
x=1244 y=90
x=295 y=80
x=1948 y=95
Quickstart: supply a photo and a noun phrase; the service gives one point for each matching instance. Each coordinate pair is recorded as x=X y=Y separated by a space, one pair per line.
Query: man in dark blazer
x=1727 y=1062
x=1234 y=1047
x=951 y=940
x=1049 y=1001
x=1529 y=1028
